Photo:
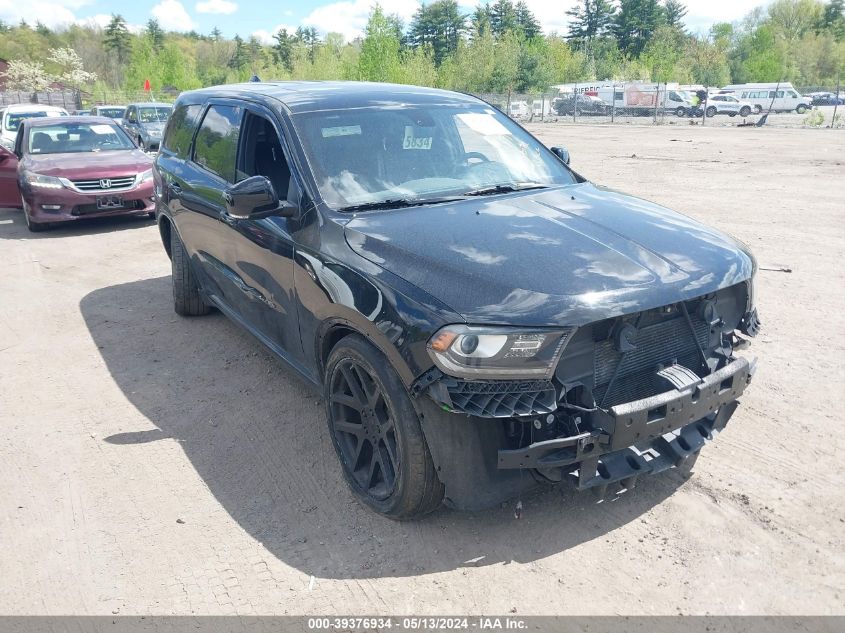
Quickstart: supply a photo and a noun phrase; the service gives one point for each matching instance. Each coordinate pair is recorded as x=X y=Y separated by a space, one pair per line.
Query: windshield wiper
x=505 y=187
x=396 y=203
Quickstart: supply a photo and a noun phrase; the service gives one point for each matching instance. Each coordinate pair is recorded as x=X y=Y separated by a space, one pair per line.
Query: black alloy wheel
x=364 y=429
x=377 y=432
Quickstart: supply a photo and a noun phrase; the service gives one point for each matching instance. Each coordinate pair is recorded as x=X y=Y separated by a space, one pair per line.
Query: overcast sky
x=247 y=17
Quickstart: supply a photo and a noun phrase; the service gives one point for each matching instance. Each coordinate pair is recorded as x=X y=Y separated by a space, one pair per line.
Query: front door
x=264 y=247
x=10 y=195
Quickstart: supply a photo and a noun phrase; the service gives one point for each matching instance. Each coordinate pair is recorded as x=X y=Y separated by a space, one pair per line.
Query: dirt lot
x=154 y=464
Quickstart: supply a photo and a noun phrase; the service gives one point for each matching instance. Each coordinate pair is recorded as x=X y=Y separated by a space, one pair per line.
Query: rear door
x=202 y=207
x=10 y=195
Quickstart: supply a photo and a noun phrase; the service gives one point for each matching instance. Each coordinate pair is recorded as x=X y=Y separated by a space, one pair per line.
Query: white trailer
x=634 y=97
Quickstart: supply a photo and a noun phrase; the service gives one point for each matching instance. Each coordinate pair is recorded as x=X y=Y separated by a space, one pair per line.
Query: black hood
x=568 y=255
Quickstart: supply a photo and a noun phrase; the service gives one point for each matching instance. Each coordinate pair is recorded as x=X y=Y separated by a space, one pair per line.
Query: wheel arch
x=165 y=229
x=334 y=330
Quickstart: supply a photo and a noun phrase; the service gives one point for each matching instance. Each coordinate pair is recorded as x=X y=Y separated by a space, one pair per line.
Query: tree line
x=499 y=47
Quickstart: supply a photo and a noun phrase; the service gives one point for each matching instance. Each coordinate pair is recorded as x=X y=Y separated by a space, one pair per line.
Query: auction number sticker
x=415 y=142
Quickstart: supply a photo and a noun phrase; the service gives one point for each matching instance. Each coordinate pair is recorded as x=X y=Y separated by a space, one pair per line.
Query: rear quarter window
x=180 y=130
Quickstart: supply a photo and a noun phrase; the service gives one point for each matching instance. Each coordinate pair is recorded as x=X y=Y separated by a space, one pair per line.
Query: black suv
x=478 y=316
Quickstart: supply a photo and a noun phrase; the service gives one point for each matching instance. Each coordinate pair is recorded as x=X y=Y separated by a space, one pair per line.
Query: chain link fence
x=634 y=104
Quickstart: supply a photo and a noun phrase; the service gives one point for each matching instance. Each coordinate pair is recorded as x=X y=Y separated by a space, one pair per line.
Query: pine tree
x=239 y=54
x=439 y=25
x=591 y=21
x=635 y=23
x=309 y=37
x=155 y=33
x=116 y=39
x=283 y=49
x=526 y=21
x=675 y=10
x=481 y=20
x=502 y=17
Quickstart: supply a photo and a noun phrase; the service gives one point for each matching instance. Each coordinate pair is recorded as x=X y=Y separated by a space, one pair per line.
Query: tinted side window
x=216 y=147
x=180 y=130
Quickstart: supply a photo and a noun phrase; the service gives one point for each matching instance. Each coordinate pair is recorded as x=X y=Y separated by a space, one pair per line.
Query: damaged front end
x=630 y=395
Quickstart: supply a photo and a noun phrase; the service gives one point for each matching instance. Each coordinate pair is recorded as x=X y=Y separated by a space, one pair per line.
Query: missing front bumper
x=643 y=436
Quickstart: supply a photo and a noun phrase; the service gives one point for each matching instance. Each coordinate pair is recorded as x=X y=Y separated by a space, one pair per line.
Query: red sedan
x=67 y=168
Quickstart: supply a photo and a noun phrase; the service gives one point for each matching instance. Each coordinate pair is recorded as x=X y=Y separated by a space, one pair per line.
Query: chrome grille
x=105 y=184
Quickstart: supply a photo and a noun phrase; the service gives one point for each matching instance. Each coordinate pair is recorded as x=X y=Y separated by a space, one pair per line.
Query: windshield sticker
x=341 y=130
x=102 y=129
x=484 y=124
x=415 y=142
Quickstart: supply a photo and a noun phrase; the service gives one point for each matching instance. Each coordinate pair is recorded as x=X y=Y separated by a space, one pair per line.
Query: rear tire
x=758 y=109
x=187 y=298
x=744 y=111
x=377 y=434
x=711 y=111
x=680 y=111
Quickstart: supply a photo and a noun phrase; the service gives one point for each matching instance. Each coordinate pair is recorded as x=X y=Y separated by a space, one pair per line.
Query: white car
x=727 y=104
x=12 y=115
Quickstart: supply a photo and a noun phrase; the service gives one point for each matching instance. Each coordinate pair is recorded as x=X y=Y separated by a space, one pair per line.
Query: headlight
x=45 y=182
x=498 y=352
x=145 y=175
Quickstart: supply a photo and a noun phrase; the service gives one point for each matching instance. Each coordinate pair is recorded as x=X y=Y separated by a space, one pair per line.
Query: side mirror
x=562 y=153
x=254 y=198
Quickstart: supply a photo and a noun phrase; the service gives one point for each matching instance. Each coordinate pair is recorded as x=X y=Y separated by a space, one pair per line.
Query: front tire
x=758 y=109
x=376 y=433
x=187 y=298
x=711 y=111
x=744 y=111
x=801 y=109
x=680 y=111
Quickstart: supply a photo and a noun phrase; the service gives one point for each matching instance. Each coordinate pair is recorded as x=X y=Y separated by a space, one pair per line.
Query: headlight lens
x=497 y=352
x=145 y=175
x=45 y=182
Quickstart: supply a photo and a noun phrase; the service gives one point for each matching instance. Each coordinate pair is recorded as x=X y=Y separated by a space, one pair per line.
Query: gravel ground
x=154 y=464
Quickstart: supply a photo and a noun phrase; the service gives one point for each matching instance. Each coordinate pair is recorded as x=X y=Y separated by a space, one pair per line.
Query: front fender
x=396 y=317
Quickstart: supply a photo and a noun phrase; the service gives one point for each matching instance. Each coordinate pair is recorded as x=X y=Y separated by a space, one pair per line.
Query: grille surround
x=657 y=344
x=93 y=185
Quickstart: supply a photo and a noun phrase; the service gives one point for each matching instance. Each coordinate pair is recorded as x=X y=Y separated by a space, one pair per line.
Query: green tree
x=118 y=41
x=439 y=25
x=481 y=20
x=635 y=23
x=240 y=59
x=590 y=20
x=155 y=33
x=526 y=21
x=833 y=18
x=379 y=59
x=283 y=49
x=502 y=17
x=674 y=11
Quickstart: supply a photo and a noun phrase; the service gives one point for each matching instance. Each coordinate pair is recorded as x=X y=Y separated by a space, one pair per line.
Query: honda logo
x=105 y=183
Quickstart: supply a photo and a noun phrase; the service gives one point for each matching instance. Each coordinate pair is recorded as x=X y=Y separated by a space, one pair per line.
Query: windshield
x=67 y=138
x=113 y=113
x=13 y=119
x=373 y=155
x=156 y=114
